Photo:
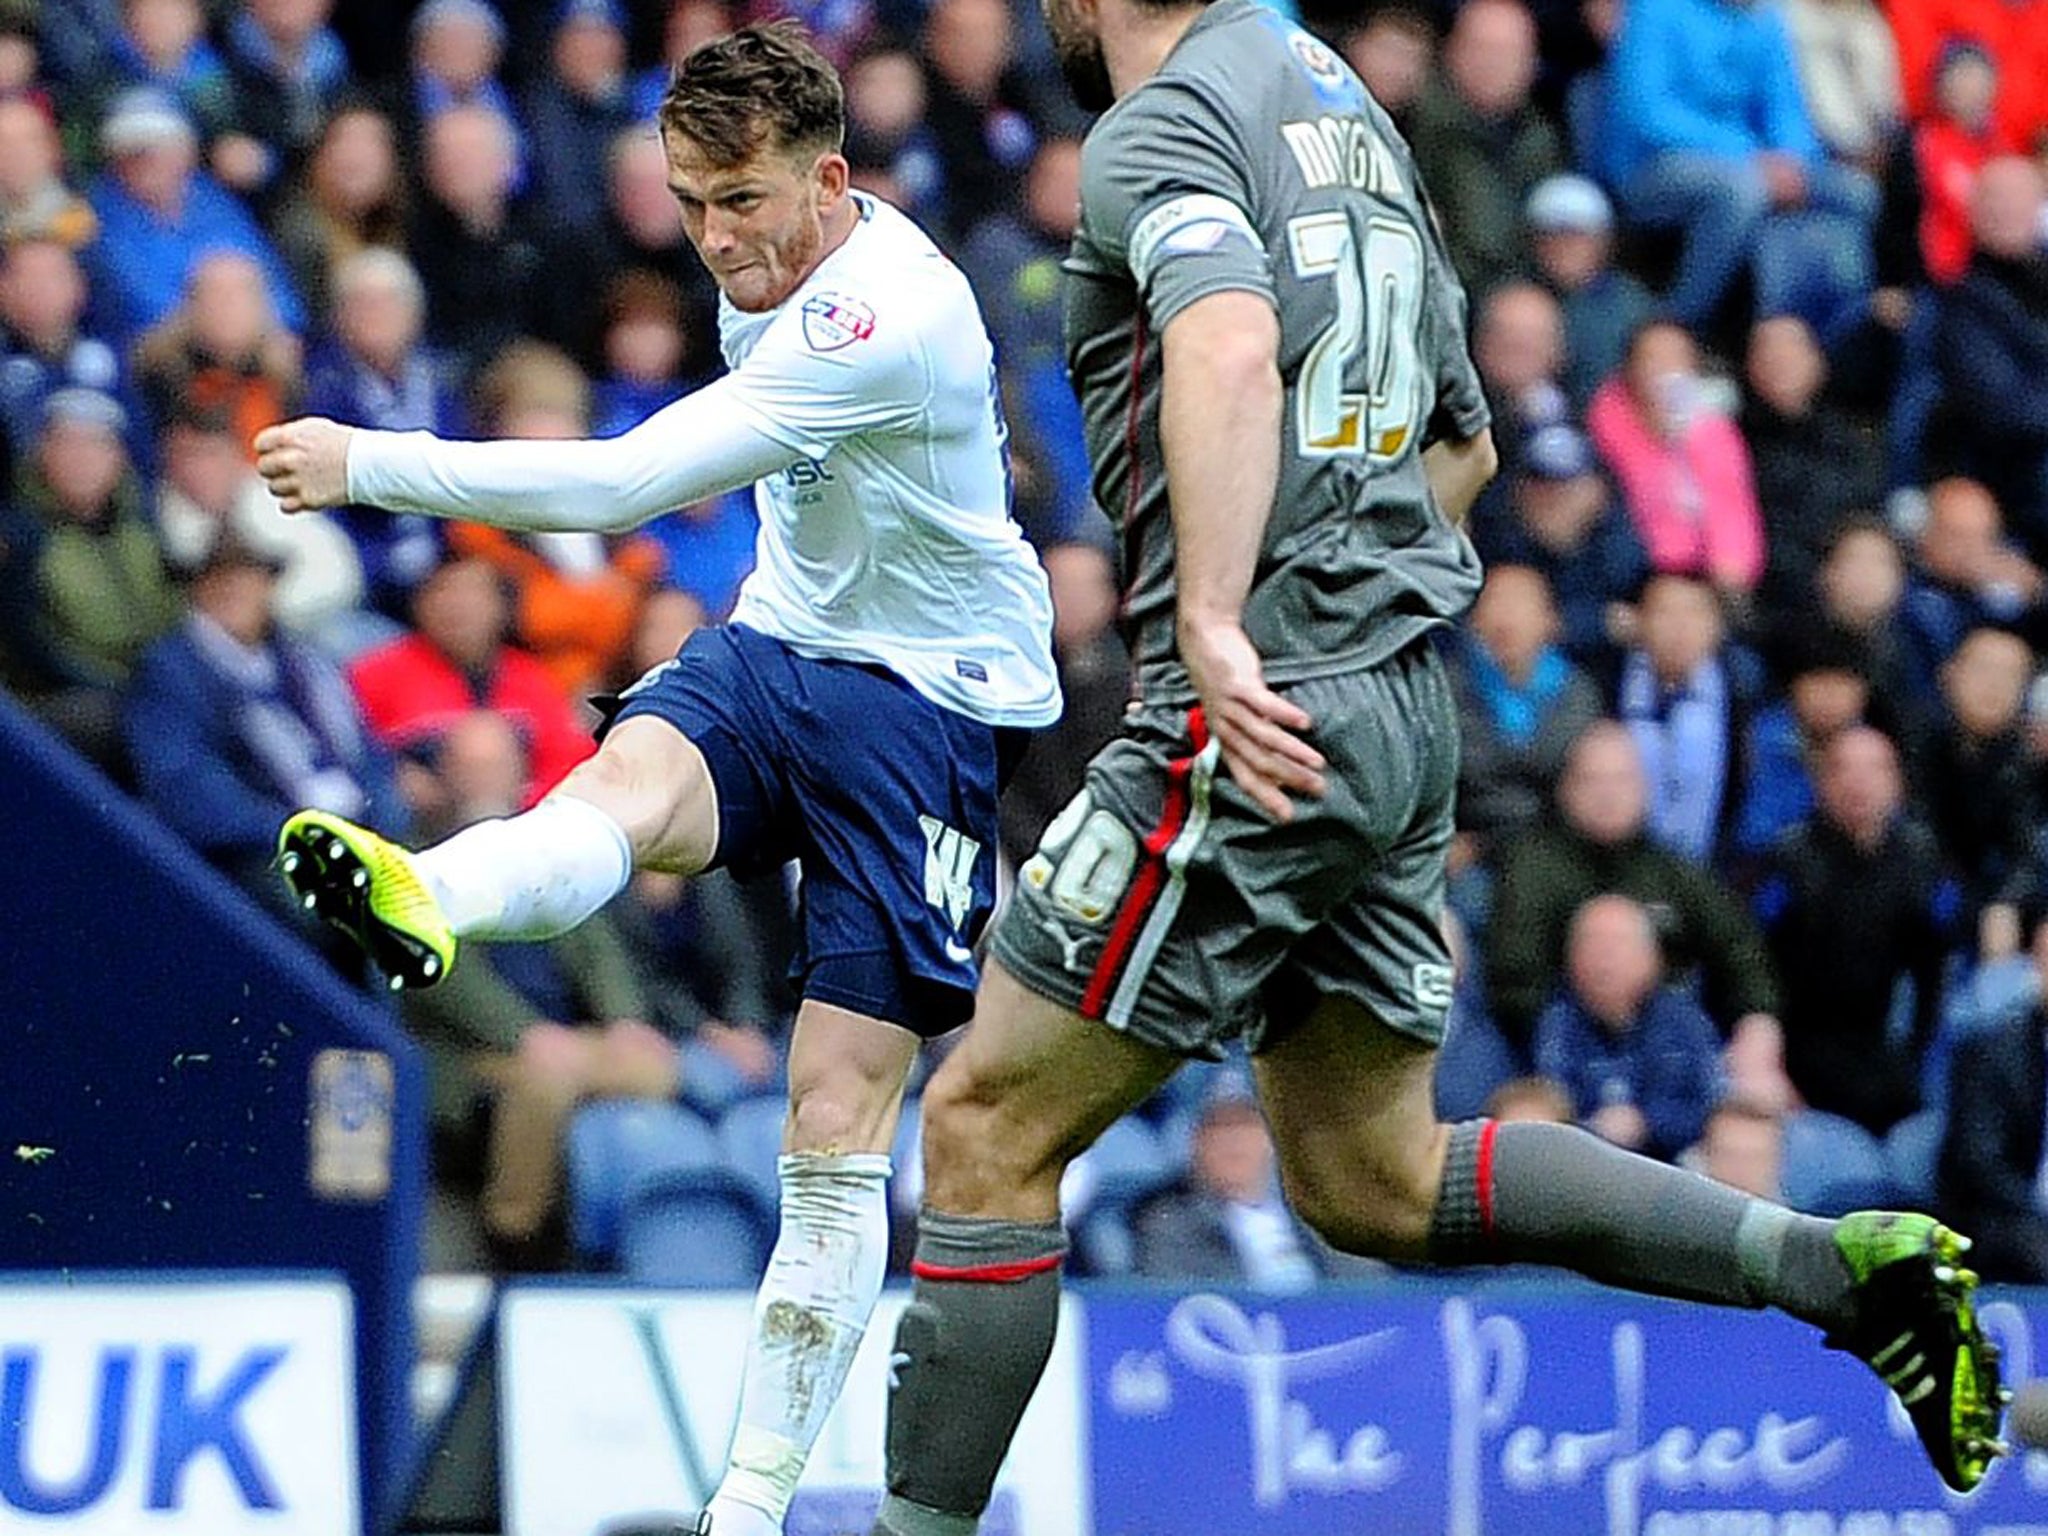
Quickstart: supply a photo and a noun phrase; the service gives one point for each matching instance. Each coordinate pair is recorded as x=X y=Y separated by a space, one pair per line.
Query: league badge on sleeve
x=832 y=321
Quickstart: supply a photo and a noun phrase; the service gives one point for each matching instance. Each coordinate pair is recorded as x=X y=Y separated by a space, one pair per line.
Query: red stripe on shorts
x=1144 y=891
x=987 y=1274
x=1483 y=1175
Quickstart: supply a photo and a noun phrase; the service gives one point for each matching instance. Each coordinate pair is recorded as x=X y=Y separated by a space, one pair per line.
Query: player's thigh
x=1027 y=1089
x=846 y=1075
x=896 y=798
x=1346 y=1051
x=653 y=781
x=695 y=761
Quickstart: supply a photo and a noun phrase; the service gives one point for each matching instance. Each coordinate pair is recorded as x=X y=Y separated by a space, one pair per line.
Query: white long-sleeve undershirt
x=705 y=443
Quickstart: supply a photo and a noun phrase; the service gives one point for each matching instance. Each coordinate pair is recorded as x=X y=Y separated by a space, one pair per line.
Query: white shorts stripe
x=1201 y=778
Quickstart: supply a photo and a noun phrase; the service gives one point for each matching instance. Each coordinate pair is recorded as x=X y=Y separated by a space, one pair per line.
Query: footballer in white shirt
x=858 y=713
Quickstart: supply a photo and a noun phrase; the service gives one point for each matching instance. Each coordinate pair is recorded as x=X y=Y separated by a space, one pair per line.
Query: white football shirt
x=864 y=412
x=888 y=538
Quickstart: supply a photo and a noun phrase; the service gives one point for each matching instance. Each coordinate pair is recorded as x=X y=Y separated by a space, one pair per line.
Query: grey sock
x=1527 y=1193
x=1791 y=1262
x=973 y=1342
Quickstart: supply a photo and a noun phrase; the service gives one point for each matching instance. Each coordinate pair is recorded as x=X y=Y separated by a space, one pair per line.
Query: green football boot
x=1915 y=1324
x=367 y=887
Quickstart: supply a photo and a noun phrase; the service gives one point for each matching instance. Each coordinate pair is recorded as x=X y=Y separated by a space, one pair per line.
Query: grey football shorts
x=1164 y=903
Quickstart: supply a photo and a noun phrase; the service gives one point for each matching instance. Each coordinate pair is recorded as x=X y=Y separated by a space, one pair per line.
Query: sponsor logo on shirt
x=832 y=321
x=1327 y=74
x=1321 y=64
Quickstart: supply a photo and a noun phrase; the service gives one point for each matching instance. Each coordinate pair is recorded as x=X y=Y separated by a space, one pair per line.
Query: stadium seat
x=750 y=1138
x=1912 y=1150
x=701 y=1228
x=1833 y=1166
x=614 y=1146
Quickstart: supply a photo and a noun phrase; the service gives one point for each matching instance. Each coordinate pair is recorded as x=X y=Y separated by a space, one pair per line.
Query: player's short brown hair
x=758 y=85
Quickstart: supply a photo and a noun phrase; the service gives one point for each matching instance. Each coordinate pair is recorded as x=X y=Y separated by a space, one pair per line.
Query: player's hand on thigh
x=1258 y=732
x=305 y=463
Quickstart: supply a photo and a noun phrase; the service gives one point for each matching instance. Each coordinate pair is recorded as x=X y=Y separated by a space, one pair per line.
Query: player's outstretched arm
x=1219 y=428
x=703 y=444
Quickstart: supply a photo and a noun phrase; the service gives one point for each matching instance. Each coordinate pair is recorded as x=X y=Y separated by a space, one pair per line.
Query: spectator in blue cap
x=159 y=213
x=578 y=108
x=1566 y=524
x=1571 y=237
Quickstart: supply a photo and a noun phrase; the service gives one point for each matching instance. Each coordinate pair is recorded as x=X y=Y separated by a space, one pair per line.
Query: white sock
x=531 y=876
x=809 y=1317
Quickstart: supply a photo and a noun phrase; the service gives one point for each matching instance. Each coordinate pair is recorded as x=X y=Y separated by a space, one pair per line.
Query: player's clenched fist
x=305 y=463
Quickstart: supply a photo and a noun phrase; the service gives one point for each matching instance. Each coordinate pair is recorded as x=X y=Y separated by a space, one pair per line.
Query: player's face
x=1078 y=47
x=758 y=225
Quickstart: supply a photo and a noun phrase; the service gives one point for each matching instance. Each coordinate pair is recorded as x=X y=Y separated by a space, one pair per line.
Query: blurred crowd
x=1752 y=858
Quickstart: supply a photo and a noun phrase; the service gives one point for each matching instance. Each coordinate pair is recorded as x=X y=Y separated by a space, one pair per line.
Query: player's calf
x=809 y=1318
x=1378 y=1202
x=970 y=1349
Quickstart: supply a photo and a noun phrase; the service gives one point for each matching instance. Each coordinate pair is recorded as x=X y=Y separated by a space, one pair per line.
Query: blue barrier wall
x=1450 y=1405
x=157 y=1040
x=1427 y=1409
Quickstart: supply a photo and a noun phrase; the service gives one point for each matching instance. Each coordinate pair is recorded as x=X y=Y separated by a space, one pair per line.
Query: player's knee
x=608 y=779
x=835 y=1119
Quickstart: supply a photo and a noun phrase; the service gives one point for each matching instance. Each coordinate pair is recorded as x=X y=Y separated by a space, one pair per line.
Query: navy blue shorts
x=886 y=800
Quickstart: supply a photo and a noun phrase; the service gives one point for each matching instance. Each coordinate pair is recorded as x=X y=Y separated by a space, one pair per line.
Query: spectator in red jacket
x=414 y=689
x=1958 y=136
x=2013 y=32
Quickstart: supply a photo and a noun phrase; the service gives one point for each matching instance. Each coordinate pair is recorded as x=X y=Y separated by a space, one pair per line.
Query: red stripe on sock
x=1483 y=1176
x=987 y=1274
x=1144 y=891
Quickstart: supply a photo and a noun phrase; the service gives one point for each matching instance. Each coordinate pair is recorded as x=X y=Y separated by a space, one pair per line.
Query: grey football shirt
x=1256 y=160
